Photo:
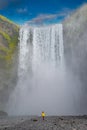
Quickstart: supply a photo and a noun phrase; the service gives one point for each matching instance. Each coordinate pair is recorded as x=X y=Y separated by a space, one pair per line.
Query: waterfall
x=42 y=83
x=48 y=44
x=40 y=45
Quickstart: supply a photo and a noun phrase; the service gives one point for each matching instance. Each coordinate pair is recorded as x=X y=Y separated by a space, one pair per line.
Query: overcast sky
x=38 y=11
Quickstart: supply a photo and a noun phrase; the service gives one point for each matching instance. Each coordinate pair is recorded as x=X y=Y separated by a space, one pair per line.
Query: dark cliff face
x=9 y=33
x=75 y=46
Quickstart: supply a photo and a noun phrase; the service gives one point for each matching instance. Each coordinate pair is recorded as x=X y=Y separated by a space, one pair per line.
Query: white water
x=43 y=82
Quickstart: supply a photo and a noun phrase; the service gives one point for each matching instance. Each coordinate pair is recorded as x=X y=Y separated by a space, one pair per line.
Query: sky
x=38 y=11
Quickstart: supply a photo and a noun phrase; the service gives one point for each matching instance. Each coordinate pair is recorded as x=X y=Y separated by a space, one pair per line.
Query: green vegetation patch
x=9 y=32
x=6 y=36
x=9 y=51
x=7 y=20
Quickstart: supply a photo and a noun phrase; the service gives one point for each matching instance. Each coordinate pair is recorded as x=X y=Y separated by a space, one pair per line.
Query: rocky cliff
x=75 y=39
x=8 y=38
x=75 y=43
x=8 y=47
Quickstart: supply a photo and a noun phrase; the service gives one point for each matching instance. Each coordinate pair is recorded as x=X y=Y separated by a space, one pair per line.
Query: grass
x=7 y=20
x=6 y=36
x=7 y=51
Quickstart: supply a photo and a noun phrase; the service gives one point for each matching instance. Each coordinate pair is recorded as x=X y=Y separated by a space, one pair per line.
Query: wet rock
x=34 y=120
x=2 y=113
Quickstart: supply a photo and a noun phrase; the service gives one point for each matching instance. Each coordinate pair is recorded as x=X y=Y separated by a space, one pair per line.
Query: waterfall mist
x=44 y=81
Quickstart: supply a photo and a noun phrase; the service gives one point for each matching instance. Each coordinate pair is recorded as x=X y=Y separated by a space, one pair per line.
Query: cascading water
x=48 y=44
x=42 y=80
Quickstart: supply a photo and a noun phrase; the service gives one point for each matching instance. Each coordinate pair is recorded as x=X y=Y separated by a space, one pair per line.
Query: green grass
x=7 y=20
x=6 y=36
x=7 y=51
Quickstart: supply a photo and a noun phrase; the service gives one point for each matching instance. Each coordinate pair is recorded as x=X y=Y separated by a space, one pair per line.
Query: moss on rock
x=9 y=32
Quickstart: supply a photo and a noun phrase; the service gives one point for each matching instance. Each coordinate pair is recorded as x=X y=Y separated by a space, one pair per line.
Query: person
x=43 y=115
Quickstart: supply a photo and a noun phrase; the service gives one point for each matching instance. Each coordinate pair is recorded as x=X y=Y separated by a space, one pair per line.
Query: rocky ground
x=50 y=123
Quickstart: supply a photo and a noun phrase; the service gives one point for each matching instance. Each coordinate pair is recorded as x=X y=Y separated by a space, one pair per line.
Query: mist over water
x=44 y=81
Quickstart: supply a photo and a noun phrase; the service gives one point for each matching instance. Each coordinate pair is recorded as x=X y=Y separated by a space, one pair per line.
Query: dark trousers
x=43 y=117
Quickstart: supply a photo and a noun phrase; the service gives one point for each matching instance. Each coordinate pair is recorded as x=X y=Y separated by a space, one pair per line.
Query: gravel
x=50 y=123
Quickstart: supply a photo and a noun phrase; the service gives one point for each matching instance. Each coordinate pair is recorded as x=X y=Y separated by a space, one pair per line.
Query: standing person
x=43 y=115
